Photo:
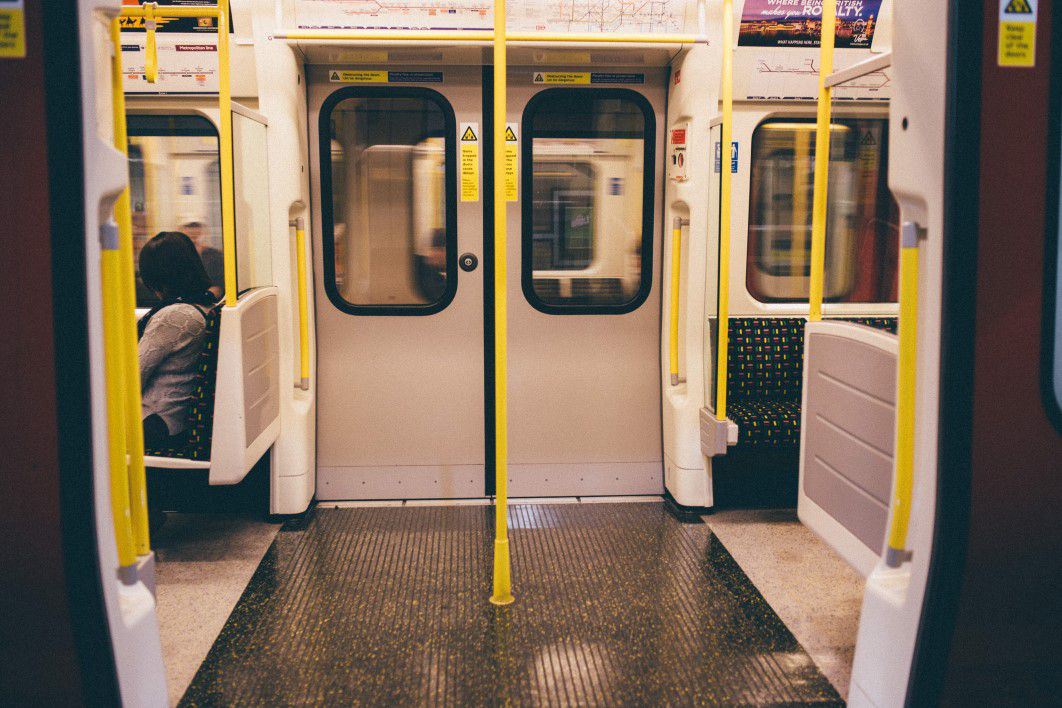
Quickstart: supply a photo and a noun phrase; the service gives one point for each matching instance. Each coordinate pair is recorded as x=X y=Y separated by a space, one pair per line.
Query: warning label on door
x=1017 y=33
x=512 y=158
x=366 y=76
x=569 y=78
x=469 y=159
x=12 y=30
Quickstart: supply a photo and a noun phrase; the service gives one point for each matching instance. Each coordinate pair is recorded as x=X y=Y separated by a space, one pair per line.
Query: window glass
x=254 y=262
x=587 y=223
x=862 y=216
x=175 y=185
x=388 y=237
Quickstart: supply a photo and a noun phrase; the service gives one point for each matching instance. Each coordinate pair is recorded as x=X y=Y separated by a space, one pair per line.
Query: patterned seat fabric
x=200 y=425
x=765 y=376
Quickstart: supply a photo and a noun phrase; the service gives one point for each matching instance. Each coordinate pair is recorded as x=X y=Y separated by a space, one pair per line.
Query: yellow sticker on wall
x=512 y=158
x=468 y=135
x=12 y=30
x=1017 y=33
x=357 y=77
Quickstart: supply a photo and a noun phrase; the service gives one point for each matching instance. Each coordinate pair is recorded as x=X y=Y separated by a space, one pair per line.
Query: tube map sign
x=798 y=23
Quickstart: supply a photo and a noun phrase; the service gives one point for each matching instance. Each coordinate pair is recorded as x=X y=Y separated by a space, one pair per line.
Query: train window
x=175 y=185
x=862 y=216
x=587 y=220
x=388 y=186
x=254 y=261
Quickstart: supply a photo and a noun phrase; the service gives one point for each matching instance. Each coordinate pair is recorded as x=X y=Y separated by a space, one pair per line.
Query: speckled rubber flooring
x=617 y=604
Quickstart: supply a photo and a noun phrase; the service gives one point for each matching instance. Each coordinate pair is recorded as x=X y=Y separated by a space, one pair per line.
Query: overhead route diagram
x=559 y=16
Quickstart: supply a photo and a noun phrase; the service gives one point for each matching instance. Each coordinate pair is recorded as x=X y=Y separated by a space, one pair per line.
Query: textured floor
x=204 y=563
x=616 y=604
x=813 y=590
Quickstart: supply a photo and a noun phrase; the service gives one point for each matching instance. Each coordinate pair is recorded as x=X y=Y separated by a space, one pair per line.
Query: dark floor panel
x=616 y=604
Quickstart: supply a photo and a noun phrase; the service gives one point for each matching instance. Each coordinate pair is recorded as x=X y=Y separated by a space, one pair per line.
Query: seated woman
x=171 y=335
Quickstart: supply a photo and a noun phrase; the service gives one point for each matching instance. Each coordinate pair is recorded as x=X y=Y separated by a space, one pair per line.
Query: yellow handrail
x=822 y=162
x=896 y=553
x=304 y=325
x=725 y=179
x=228 y=224
x=676 y=284
x=151 y=51
x=502 y=594
x=134 y=432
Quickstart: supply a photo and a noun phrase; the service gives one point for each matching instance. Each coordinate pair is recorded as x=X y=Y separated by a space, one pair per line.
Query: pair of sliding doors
x=403 y=243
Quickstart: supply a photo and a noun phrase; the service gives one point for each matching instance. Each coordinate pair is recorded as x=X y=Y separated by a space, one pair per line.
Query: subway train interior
x=531 y=352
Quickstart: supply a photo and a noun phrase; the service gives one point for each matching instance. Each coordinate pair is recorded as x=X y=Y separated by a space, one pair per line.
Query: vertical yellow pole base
x=502 y=587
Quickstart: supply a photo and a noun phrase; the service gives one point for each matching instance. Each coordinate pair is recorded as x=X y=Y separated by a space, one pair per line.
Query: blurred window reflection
x=862 y=216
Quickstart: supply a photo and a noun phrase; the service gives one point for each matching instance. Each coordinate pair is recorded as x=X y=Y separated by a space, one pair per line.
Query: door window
x=388 y=193
x=587 y=225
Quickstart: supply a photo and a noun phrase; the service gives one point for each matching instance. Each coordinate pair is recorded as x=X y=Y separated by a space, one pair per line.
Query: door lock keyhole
x=468 y=262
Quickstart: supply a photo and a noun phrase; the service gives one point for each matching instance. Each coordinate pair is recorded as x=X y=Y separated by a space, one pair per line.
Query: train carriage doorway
x=401 y=313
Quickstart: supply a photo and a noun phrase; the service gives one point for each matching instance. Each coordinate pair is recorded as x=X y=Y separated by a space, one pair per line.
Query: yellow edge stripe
x=822 y=163
x=134 y=433
x=905 y=400
x=502 y=591
x=673 y=340
x=725 y=179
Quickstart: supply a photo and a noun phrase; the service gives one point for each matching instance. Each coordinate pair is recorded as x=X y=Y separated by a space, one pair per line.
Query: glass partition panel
x=254 y=264
x=175 y=185
x=861 y=226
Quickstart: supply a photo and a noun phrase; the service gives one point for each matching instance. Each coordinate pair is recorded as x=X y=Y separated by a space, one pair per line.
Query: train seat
x=765 y=376
x=236 y=414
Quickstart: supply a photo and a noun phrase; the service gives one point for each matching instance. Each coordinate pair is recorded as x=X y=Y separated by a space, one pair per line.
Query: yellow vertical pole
x=304 y=327
x=151 y=54
x=725 y=179
x=822 y=162
x=134 y=432
x=676 y=283
x=228 y=218
x=895 y=553
x=502 y=594
x=797 y=255
x=111 y=301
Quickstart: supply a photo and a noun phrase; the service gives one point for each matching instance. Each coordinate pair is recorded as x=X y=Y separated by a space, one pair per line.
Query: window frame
x=648 y=201
x=324 y=130
x=809 y=119
x=154 y=124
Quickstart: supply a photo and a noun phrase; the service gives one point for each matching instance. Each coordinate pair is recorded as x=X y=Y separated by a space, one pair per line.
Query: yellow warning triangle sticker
x=539 y=78
x=868 y=139
x=334 y=76
x=510 y=136
x=468 y=136
x=1018 y=7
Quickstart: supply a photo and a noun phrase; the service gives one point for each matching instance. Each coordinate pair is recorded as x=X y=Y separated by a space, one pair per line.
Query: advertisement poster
x=187 y=51
x=798 y=23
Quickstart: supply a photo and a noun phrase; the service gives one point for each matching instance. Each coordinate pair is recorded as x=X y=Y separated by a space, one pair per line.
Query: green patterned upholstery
x=200 y=426
x=765 y=376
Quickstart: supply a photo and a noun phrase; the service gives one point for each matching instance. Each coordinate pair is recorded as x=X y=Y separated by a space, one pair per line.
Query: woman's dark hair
x=170 y=264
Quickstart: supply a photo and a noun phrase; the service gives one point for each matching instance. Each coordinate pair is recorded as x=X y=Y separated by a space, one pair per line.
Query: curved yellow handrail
x=903 y=485
x=304 y=325
x=822 y=162
x=725 y=187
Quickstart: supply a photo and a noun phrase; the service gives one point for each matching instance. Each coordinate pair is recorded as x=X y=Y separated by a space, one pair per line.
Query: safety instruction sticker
x=364 y=76
x=733 y=157
x=512 y=157
x=12 y=30
x=1017 y=33
x=569 y=78
x=468 y=136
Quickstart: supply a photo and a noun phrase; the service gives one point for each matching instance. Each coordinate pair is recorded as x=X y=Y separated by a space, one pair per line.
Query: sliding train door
x=399 y=291
x=583 y=282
